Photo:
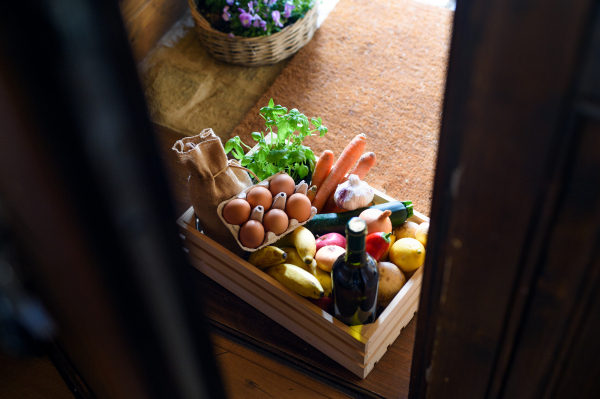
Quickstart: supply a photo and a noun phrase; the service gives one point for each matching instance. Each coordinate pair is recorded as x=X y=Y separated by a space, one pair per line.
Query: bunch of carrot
x=327 y=176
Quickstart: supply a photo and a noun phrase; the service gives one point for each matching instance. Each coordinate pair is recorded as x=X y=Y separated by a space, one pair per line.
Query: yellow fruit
x=422 y=232
x=386 y=255
x=323 y=277
x=298 y=280
x=303 y=240
x=293 y=258
x=267 y=257
x=408 y=254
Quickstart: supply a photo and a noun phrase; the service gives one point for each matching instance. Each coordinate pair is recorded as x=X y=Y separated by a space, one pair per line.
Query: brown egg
x=282 y=184
x=236 y=211
x=252 y=234
x=276 y=221
x=298 y=207
x=260 y=196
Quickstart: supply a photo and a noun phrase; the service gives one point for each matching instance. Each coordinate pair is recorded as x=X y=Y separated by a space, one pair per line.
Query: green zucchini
x=336 y=222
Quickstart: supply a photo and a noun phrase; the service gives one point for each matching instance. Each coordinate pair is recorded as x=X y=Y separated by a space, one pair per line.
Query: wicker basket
x=255 y=51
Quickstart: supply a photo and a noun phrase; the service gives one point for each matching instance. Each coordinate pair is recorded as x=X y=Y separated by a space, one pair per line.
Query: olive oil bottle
x=355 y=278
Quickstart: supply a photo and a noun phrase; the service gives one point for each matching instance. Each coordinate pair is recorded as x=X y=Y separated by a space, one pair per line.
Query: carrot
x=322 y=168
x=365 y=163
x=349 y=156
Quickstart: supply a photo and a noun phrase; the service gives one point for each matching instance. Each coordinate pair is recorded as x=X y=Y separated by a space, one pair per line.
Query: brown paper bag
x=212 y=180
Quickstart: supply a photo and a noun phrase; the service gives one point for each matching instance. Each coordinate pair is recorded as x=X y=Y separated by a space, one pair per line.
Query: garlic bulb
x=353 y=194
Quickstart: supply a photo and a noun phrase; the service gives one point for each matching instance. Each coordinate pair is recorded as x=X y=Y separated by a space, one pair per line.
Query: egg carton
x=258 y=212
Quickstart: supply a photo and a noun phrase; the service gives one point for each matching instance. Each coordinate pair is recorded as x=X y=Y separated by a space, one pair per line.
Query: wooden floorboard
x=247 y=374
x=30 y=379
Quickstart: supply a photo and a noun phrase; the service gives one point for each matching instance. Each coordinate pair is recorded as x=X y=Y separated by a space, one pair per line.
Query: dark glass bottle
x=355 y=278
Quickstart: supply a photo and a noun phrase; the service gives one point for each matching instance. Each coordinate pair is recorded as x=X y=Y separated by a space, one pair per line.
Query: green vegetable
x=336 y=222
x=285 y=152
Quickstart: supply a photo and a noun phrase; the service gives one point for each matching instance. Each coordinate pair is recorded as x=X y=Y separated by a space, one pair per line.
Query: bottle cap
x=356 y=226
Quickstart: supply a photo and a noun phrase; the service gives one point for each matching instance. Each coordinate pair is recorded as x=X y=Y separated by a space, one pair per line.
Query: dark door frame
x=512 y=269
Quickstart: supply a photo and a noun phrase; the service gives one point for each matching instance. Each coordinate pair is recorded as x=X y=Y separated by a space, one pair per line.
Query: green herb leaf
x=282 y=131
x=302 y=171
x=279 y=110
x=261 y=155
x=322 y=131
x=297 y=156
x=232 y=143
x=256 y=136
x=238 y=152
x=316 y=122
x=271 y=103
x=308 y=153
x=276 y=155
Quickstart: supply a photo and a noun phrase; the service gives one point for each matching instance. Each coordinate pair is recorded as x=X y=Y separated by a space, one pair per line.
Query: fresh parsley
x=285 y=151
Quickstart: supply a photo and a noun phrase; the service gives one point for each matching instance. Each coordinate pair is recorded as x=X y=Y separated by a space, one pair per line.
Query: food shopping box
x=356 y=348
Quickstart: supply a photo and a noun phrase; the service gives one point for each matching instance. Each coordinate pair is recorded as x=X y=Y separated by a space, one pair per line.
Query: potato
x=391 y=281
x=327 y=255
x=406 y=230
x=422 y=233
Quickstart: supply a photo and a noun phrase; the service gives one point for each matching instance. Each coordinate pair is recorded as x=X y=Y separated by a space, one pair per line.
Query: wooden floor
x=246 y=374
x=31 y=378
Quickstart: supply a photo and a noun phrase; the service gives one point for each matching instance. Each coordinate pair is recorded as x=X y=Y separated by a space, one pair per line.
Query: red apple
x=331 y=239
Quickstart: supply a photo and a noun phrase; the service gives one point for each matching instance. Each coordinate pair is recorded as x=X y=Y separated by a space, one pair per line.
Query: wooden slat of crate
x=338 y=351
x=390 y=321
x=301 y=305
x=356 y=348
x=262 y=299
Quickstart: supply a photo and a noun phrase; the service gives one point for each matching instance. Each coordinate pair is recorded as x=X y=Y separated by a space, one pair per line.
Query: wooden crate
x=356 y=348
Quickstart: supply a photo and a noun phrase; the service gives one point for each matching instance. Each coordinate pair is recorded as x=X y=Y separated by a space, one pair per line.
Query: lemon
x=408 y=254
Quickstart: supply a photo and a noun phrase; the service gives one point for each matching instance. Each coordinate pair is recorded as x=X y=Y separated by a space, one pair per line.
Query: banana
x=267 y=257
x=294 y=259
x=296 y=279
x=321 y=275
x=303 y=240
x=324 y=278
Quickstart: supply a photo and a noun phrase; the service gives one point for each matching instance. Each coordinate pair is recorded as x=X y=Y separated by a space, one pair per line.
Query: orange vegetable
x=322 y=168
x=377 y=220
x=347 y=159
x=365 y=163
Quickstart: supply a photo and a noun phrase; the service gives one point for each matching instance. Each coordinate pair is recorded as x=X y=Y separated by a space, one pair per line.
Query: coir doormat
x=375 y=67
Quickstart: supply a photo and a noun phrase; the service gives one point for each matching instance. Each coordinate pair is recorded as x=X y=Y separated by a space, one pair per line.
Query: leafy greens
x=284 y=151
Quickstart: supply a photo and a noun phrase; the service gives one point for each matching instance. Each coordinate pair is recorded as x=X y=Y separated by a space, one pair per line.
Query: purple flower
x=287 y=10
x=226 y=15
x=230 y=2
x=245 y=18
x=276 y=16
x=250 y=8
x=271 y=2
x=231 y=35
x=259 y=23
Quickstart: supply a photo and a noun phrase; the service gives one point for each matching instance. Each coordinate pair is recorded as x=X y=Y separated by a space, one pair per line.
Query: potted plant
x=254 y=32
x=280 y=150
